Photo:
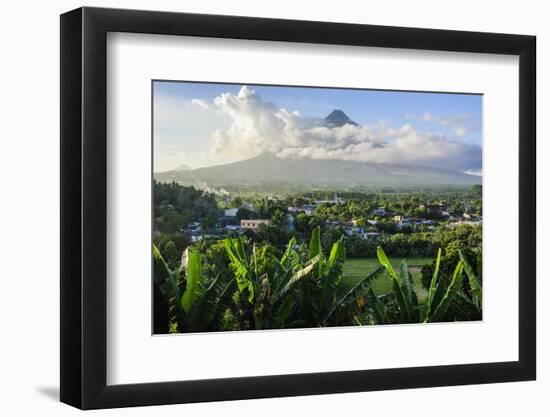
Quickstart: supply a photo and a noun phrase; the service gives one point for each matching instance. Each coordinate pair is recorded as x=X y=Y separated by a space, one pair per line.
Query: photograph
x=292 y=207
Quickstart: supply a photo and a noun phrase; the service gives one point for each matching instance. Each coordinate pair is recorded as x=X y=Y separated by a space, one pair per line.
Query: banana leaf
x=378 y=307
x=282 y=276
x=472 y=279
x=432 y=289
x=470 y=308
x=315 y=249
x=287 y=256
x=338 y=252
x=450 y=294
x=282 y=313
x=206 y=309
x=299 y=275
x=402 y=301
x=353 y=293
x=404 y=279
x=165 y=280
x=239 y=264
x=193 y=289
x=332 y=277
x=479 y=269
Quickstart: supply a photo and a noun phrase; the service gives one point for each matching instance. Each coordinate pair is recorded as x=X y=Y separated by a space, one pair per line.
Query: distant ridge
x=182 y=167
x=268 y=169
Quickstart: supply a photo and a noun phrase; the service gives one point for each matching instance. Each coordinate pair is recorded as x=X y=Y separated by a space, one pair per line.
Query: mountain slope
x=269 y=170
x=182 y=167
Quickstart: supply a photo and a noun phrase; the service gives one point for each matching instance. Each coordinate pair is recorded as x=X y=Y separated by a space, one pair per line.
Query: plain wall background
x=29 y=172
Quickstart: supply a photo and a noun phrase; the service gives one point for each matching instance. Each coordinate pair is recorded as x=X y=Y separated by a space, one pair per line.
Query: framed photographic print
x=257 y=208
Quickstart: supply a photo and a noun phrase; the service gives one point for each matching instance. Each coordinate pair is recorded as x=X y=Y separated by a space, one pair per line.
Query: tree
x=171 y=254
x=243 y=213
x=237 y=202
x=277 y=216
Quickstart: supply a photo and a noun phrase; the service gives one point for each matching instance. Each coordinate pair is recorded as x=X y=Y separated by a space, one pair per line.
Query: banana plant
x=196 y=307
x=431 y=291
x=294 y=290
x=443 y=298
x=265 y=281
x=450 y=298
x=166 y=281
x=324 y=296
x=451 y=292
x=349 y=298
x=402 y=288
x=474 y=281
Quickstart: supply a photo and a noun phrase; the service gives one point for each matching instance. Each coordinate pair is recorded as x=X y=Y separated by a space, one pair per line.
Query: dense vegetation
x=302 y=288
x=211 y=275
x=176 y=206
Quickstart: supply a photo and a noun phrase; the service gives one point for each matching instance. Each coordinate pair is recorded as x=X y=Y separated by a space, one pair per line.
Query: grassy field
x=355 y=269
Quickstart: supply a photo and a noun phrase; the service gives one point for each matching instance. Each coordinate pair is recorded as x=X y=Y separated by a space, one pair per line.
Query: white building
x=335 y=200
x=370 y=235
x=230 y=212
x=253 y=224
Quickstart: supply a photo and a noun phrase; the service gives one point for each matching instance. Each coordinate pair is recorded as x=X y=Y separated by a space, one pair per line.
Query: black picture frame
x=84 y=207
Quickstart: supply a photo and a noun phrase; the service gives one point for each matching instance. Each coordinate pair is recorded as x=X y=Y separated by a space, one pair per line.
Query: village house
x=402 y=221
x=197 y=236
x=308 y=209
x=351 y=231
x=253 y=224
x=370 y=236
x=478 y=221
x=380 y=211
x=232 y=212
x=229 y=217
x=194 y=226
x=470 y=216
x=335 y=200
x=232 y=228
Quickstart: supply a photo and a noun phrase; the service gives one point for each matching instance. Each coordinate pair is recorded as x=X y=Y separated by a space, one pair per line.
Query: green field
x=355 y=269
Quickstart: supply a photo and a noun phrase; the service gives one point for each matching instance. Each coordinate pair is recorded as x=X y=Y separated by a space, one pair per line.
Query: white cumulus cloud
x=258 y=127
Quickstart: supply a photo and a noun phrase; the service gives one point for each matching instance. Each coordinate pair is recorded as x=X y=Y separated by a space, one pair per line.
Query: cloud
x=262 y=127
x=201 y=103
x=476 y=172
x=181 y=126
x=460 y=124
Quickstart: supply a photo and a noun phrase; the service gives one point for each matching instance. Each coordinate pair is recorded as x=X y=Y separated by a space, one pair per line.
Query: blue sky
x=201 y=124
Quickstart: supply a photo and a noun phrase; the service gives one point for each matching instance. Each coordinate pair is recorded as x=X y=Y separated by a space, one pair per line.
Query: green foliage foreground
x=301 y=288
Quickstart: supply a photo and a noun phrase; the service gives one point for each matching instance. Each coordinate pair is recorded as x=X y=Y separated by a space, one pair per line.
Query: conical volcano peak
x=338 y=118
